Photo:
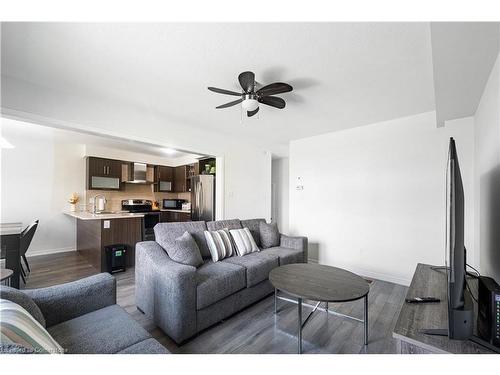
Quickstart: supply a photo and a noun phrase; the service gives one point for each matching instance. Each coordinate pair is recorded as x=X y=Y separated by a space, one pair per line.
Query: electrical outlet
x=106 y=224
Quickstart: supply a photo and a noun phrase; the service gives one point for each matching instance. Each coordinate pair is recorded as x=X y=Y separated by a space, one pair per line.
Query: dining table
x=10 y=239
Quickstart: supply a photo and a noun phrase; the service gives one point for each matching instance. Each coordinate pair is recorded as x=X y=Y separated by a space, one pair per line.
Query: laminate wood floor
x=255 y=329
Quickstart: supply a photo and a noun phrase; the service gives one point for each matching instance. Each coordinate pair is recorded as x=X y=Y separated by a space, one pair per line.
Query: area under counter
x=92 y=236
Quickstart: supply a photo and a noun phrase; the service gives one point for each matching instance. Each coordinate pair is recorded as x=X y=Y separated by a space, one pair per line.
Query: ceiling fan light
x=250 y=104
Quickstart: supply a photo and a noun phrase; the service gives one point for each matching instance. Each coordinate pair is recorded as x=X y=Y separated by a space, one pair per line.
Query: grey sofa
x=183 y=300
x=83 y=317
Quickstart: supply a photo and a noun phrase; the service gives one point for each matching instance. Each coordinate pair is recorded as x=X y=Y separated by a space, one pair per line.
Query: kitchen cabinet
x=180 y=179
x=164 y=178
x=182 y=182
x=93 y=235
x=191 y=170
x=103 y=174
x=174 y=216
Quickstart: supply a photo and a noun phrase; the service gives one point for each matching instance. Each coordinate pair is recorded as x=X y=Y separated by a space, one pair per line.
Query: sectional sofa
x=83 y=317
x=183 y=300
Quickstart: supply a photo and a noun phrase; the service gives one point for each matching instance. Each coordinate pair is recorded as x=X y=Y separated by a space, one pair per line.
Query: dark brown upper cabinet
x=164 y=178
x=182 y=182
x=103 y=174
x=180 y=185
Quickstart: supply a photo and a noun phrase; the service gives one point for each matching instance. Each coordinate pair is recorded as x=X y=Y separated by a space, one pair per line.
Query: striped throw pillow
x=19 y=328
x=243 y=241
x=219 y=244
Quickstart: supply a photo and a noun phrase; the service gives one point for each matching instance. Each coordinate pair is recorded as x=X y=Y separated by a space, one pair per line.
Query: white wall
x=37 y=178
x=374 y=197
x=487 y=176
x=280 y=200
x=247 y=163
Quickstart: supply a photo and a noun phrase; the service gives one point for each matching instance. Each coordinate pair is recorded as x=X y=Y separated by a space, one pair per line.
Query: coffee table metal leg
x=366 y=319
x=275 y=301
x=299 y=336
x=326 y=307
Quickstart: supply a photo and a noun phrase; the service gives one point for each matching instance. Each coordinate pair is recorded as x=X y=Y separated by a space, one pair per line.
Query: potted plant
x=73 y=200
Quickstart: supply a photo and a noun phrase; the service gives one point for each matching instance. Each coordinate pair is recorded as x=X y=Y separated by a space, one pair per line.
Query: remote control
x=422 y=300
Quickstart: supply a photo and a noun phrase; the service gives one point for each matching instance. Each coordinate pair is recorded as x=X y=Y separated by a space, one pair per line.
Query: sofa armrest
x=165 y=290
x=63 y=302
x=296 y=243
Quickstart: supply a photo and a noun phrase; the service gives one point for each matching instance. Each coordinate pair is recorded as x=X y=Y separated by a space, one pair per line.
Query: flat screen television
x=460 y=308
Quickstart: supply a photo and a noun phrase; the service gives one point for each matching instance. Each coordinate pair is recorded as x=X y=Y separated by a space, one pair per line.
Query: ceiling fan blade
x=222 y=91
x=247 y=81
x=273 y=101
x=230 y=104
x=274 y=88
x=251 y=113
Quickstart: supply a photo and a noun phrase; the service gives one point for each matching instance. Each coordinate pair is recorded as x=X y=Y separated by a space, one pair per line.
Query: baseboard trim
x=381 y=276
x=49 y=251
x=371 y=274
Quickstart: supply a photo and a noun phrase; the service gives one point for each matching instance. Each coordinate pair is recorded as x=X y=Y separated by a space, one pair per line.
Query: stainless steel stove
x=151 y=218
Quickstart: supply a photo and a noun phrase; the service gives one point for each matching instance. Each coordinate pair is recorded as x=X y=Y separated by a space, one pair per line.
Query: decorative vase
x=72 y=207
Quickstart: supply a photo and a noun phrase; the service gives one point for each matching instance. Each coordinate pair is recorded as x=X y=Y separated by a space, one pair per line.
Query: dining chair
x=25 y=241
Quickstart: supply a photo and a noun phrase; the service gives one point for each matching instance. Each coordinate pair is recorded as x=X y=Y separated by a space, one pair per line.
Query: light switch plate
x=106 y=224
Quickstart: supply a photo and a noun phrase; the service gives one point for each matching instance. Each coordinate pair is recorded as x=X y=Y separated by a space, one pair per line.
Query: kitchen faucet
x=94 y=206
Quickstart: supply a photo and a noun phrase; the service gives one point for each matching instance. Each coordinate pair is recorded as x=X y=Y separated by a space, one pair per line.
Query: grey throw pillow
x=185 y=250
x=269 y=235
x=23 y=300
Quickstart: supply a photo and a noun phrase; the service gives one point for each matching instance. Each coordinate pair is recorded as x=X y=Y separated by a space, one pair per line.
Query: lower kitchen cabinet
x=93 y=235
x=174 y=217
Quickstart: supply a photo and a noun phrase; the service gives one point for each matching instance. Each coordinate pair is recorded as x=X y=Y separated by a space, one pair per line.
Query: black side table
x=5 y=275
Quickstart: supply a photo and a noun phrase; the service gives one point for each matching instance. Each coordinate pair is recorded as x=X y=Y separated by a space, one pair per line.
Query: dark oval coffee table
x=322 y=284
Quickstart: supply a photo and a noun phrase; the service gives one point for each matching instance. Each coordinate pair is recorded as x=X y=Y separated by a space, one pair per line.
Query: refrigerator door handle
x=202 y=200
x=197 y=192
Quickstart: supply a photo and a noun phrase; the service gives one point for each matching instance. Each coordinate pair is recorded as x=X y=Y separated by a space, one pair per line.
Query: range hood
x=137 y=174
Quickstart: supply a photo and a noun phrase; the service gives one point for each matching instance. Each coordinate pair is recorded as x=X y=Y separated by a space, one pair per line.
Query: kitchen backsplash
x=131 y=191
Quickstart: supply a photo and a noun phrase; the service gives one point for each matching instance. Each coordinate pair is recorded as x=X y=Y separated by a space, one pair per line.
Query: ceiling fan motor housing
x=250 y=102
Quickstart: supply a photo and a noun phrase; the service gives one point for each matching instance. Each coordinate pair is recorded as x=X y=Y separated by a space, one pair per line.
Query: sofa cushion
x=184 y=250
x=257 y=266
x=243 y=241
x=253 y=225
x=18 y=329
x=106 y=331
x=269 y=235
x=216 y=281
x=148 y=346
x=224 y=224
x=220 y=244
x=166 y=233
x=286 y=256
x=23 y=300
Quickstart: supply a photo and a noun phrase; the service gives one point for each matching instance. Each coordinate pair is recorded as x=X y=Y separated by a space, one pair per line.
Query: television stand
x=415 y=318
x=435 y=332
x=474 y=339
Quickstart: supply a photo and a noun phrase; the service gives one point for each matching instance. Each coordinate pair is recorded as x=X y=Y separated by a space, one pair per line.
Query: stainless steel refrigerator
x=203 y=197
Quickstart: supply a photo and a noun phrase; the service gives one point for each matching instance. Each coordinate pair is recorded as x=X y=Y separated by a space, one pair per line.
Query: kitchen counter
x=90 y=216
x=174 y=210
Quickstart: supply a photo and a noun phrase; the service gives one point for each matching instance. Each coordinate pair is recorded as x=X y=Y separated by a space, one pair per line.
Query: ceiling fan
x=250 y=98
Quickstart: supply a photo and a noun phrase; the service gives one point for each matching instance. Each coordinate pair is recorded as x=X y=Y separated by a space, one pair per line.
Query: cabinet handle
x=104 y=170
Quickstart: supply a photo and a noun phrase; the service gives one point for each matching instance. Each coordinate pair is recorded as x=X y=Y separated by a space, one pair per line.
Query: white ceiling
x=10 y=127
x=463 y=55
x=344 y=74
